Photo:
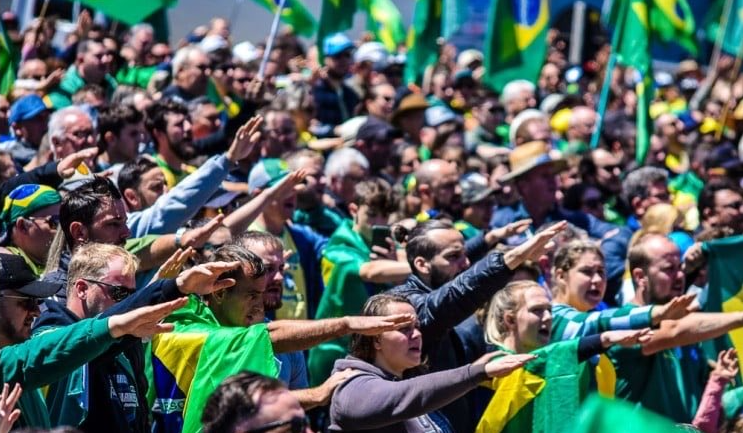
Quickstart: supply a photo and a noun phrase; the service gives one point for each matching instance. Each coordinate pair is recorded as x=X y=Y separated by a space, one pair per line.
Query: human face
x=206 y=120
x=729 y=210
x=95 y=63
x=533 y=320
x=657 y=193
x=240 y=78
x=521 y=102
x=126 y=147
x=400 y=350
x=538 y=188
x=99 y=295
x=151 y=187
x=79 y=134
x=273 y=406
x=409 y=161
x=478 y=214
x=447 y=194
x=383 y=103
x=608 y=169
x=179 y=132
x=591 y=203
x=309 y=195
x=17 y=314
x=665 y=277
x=489 y=114
x=451 y=259
x=346 y=185
x=273 y=261
x=42 y=228
x=109 y=224
x=365 y=218
x=549 y=78
x=194 y=76
x=339 y=65
x=583 y=285
x=538 y=130
x=242 y=304
x=281 y=135
x=282 y=207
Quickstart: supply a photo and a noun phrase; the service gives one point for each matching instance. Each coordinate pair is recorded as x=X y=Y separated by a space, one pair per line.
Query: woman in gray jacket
x=387 y=395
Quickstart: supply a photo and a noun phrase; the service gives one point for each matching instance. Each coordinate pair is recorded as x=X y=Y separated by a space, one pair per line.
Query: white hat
x=372 y=52
x=466 y=57
x=213 y=43
x=245 y=52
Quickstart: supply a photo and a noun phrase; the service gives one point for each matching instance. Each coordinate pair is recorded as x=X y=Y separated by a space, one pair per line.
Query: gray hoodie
x=377 y=401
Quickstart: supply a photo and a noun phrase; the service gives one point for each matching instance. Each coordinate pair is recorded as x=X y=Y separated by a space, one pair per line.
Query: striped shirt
x=569 y=323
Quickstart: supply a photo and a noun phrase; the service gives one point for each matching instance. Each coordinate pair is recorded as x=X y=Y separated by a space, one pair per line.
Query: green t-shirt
x=322 y=219
x=468 y=230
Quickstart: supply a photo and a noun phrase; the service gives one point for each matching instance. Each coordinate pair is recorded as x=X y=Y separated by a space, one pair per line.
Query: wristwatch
x=179 y=235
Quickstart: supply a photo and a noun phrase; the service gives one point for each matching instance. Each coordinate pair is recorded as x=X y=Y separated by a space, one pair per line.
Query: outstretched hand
x=535 y=247
x=9 y=414
x=205 y=279
x=144 y=321
x=727 y=364
x=626 y=338
x=505 y=365
x=66 y=166
x=196 y=238
x=245 y=140
x=173 y=266
x=375 y=325
x=675 y=309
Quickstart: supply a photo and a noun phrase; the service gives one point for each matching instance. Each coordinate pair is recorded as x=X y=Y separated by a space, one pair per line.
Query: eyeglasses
x=82 y=133
x=202 y=68
x=50 y=220
x=298 y=425
x=117 y=292
x=28 y=302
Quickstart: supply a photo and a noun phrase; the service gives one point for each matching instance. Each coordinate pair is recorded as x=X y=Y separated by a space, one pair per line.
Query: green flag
x=130 y=11
x=733 y=22
x=455 y=14
x=344 y=294
x=336 y=16
x=631 y=43
x=384 y=20
x=423 y=48
x=185 y=366
x=601 y=415
x=294 y=14
x=515 y=41
x=673 y=21
x=725 y=293
x=8 y=62
x=543 y=396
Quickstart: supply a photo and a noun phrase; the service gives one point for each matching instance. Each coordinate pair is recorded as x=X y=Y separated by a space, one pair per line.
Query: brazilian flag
x=725 y=293
x=384 y=20
x=672 y=21
x=294 y=14
x=543 y=396
x=423 y=47
x=515 y=41
x=184 y=367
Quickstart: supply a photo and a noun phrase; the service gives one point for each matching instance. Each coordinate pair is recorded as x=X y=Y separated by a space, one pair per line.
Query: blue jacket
x=310 y=246
x=328 y=104
x=443 y=314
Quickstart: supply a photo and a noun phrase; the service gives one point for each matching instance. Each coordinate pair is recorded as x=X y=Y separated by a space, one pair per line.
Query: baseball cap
x=438 y=115
x=377 y=130
x=374 y=53
x=26 y=108
x=475 y=188
x=336 y=43
x=266 y=173
x=16 y=275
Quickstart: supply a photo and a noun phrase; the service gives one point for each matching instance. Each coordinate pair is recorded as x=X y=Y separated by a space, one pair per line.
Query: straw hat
x=529 y=156
x=411 y=102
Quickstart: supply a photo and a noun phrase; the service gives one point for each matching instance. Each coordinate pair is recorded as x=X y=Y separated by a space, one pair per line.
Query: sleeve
x=55 y=353
x=42 y=175
x=578 y=324
x=155 y=293
x=299 y=372
x=710 y=407
x=590 y=346
x=367 y=401
x=171 y=210
x=476 y=248
x=447 y=306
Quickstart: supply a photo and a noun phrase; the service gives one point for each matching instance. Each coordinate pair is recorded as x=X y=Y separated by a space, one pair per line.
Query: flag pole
x=271 y=37
x=603 y=101
x=716 y=51
x=733 y=76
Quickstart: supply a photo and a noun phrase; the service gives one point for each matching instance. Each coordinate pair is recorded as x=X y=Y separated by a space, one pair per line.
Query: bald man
x=581 y=125
x=437 y=185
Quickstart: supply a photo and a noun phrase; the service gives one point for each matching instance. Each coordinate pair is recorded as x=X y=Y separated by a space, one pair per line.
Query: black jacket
x=449 y=339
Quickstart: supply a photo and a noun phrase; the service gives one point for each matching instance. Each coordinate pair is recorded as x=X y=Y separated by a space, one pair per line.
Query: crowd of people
x=198 y=239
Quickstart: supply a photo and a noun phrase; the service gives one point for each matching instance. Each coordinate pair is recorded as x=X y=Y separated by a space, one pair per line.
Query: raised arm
x=694 y=328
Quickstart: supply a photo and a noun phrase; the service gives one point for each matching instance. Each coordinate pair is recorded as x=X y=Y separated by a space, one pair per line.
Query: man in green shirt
x=91 y=67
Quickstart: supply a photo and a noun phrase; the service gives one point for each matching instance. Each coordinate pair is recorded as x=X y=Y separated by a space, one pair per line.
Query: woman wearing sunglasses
x=389 y=394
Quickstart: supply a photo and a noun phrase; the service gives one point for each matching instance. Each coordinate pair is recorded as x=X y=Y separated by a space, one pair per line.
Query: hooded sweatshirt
x=377 y=401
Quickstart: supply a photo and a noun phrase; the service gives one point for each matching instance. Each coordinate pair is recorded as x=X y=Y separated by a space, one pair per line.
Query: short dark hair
x=362 y=346
x=233 y=401
x=83 y=203
x=376 y=194
x=131 y=173
x=418 y=244
x=707 y=195
x=156 y=113
x=257 y=237
x=238 y=253
x=115 y=117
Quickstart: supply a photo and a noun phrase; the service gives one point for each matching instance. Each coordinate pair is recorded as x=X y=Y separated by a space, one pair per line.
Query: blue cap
x=336 y=43
x=26 y=108
x=438 y=115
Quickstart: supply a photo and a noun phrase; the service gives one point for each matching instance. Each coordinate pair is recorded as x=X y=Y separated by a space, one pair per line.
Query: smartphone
x=380 y=235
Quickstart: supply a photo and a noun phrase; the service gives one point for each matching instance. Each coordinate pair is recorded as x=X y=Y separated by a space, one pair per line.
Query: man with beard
x=603 y=172
x=169 y=124
x=335 y=102
x=721 y=205
x=91 y=66
x=446 y=291
x=437 y=185
x=668 y=374
x=302 y=283
x=310 y=208
x=374 y=140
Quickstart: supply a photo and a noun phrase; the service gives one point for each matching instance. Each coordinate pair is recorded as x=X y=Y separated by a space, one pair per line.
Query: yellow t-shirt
x=173 y=175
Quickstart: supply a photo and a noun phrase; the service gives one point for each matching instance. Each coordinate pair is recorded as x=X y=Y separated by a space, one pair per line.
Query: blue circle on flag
x=526 y=12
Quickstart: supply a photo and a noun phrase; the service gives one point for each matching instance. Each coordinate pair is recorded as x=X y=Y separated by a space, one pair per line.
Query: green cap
x=266 y=174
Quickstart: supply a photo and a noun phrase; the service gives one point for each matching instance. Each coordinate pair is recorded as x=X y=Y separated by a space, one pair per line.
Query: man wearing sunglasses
x=29 y=220
x=108 y=393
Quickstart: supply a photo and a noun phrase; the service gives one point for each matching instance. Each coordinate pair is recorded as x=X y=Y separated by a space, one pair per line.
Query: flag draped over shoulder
x=294 y=14
x=423 y=48
x=385 y=22
x=130 y=11
x=516 y=41
x=543 y=396
x=336 y=16
x=631 y=43
x=184 y=367
x=601 y=415
x=8 y=62
x=725 y=293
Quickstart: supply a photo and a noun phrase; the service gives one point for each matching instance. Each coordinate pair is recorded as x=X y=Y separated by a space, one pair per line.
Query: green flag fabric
x=344 y=294
x=423 y=48
x=673 y=21
x=543 y=396
x=601 y=415
x=455 y=14
x=725 y=294
x=385 y=22
x=733 y=23
x=8 y=62
x=294 y=14
x=336 y=16
x=515 y=41
x=130 y=11
x=184 y=367
x=631 y=44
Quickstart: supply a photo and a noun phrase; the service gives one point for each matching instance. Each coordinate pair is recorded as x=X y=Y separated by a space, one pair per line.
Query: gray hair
x=141 y=27
x=513 y=88
x=182 y=56
x=339 y=162
x=637 y=183
x=57 y=120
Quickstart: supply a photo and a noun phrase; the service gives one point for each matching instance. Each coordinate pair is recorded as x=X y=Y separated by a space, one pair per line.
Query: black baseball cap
x=16 y=275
